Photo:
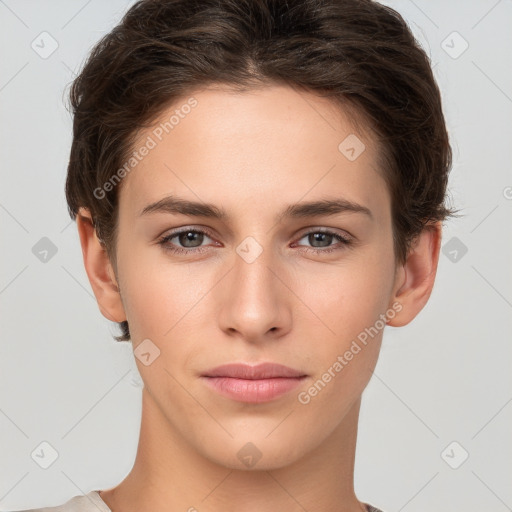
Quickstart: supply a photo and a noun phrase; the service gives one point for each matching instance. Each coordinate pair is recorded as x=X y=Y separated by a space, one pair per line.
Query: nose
x=254 y=301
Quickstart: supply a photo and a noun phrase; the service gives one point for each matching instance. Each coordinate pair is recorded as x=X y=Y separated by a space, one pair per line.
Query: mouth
x=253 y=384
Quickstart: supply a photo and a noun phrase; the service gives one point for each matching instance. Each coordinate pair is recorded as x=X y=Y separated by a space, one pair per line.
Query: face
x=265 y=279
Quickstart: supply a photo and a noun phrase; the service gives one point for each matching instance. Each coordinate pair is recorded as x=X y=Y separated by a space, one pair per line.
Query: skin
x=253 y=154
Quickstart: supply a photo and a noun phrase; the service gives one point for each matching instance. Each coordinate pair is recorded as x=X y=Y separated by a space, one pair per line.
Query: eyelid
x=164 y=240
x=203 y=229
x=345 y=240
x=183 y=229
x=323 y=229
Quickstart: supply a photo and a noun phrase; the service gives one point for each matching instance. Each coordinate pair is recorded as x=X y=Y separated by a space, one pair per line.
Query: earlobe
x=415 y=279
x=99 y=269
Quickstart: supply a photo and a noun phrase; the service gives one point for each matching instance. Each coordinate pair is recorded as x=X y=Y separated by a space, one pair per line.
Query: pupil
x=321 y=237
x=189 y=236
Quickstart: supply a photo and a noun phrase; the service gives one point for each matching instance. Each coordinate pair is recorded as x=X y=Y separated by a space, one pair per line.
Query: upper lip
x=252 y=372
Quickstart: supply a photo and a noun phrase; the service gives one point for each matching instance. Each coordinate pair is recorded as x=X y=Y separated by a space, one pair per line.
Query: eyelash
x=164 y=241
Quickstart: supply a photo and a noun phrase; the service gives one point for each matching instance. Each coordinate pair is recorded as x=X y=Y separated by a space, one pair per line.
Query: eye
x=191 y=240
x=324 y=238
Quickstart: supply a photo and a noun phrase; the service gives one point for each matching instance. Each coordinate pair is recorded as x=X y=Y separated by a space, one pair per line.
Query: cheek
x=348 y=302
x=344 y=358
x=348 y=298
x=350 y=346
x=162 y=304
x=149 y=291
x=159 y=297
x=167 y=302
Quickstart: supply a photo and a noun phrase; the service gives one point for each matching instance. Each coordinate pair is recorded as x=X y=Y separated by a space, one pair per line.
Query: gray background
x=444 y=378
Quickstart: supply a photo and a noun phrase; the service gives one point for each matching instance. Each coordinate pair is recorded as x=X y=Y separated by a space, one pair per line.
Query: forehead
x=274 y=144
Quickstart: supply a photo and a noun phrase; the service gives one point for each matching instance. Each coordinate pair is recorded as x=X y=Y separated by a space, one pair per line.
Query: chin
x=255 y=452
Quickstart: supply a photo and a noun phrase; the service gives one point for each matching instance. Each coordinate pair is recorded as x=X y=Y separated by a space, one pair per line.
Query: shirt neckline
x=96 y=498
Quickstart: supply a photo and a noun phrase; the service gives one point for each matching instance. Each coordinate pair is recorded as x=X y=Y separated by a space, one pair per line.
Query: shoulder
x=90 y=502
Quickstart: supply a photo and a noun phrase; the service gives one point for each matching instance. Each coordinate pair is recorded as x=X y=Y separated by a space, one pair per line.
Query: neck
x=169 y=475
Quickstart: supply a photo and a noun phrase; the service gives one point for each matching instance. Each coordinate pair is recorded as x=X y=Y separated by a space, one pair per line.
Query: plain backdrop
x=437 y=415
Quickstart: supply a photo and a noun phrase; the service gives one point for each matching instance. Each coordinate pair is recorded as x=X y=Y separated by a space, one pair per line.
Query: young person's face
x=253 y=288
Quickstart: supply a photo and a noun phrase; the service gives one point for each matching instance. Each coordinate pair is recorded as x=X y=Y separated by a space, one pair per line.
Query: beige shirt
x=92 y=502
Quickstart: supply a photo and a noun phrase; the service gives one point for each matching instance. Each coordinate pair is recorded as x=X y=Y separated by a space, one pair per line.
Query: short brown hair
x=358 y=53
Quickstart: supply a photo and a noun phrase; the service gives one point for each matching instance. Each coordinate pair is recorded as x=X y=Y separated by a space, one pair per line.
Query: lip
x=253 y=384
x=253 y=372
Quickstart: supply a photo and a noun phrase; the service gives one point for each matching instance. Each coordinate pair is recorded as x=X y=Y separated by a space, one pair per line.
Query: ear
x=99 y=269
x=415 y=279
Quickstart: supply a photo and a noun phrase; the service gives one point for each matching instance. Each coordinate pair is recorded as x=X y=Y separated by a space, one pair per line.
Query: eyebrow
x=323 y=207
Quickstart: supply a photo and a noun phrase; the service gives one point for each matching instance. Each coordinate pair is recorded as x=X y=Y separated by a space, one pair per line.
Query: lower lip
x=253 y=391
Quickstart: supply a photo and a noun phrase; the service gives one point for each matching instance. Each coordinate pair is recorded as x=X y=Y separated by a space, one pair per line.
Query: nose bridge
x=251 y=269
x=253 y=300
x=252 y=273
